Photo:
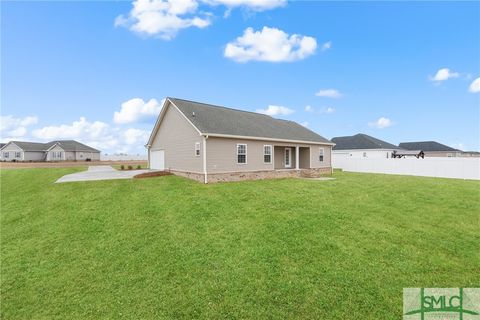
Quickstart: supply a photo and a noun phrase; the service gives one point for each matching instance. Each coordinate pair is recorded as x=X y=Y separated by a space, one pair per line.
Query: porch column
x=297 y=157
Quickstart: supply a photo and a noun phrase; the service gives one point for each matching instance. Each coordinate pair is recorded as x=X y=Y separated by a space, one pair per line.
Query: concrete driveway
x=100 y=173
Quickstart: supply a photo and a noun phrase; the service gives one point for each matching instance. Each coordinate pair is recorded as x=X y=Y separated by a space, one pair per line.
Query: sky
x=97 y=72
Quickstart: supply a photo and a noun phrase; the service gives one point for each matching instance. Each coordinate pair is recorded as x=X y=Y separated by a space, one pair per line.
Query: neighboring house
x=211 y=143
x=432 y=149
x=62 y=150
x=362 y=146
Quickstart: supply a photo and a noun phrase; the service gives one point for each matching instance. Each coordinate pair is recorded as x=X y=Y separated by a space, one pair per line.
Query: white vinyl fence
x=459 y=168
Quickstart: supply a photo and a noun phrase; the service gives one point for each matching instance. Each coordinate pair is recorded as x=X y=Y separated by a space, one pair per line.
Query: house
x=61 y=150
x=362 y=146
x=211 y=143
x=432 y=149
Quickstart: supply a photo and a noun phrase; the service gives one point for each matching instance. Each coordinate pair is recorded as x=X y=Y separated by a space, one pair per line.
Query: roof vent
x=193 y=114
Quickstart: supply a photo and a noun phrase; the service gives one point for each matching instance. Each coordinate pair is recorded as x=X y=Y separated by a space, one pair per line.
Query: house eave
x=218 y=135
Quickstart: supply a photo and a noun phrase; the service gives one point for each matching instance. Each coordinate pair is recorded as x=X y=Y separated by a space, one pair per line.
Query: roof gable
x=217 y=120
x=426 y=146
x=361 y=141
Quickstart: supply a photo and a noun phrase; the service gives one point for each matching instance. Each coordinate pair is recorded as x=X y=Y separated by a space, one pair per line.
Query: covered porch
x=291 y=157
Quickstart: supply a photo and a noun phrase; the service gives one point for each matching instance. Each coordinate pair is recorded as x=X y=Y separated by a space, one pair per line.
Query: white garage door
x=157 y=159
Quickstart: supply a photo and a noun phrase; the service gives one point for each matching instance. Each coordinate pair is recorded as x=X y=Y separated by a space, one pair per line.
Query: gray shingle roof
x=71 y=145
x=213 y=119
x=361 y=141
x=67 y=145
x=426 y=146
x=30 y=146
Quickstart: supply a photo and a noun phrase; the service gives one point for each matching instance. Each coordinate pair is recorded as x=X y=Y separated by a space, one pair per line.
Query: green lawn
x=171 y=248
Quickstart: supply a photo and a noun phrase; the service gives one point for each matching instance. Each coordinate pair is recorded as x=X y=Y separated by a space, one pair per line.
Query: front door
x=288 y=157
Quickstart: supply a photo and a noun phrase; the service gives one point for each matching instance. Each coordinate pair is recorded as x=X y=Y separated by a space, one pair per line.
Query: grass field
x=170 y=248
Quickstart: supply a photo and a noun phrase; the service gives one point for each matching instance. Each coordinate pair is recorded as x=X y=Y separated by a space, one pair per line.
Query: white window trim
x=6 y=154
x=197 y=148
x=321 y=152
x=19 y=155
x=271 y=153
x=246 y=154
x=289 y=157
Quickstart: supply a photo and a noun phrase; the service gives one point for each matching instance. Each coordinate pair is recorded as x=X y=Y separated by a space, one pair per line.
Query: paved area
x=321 y=179
x=100 y=173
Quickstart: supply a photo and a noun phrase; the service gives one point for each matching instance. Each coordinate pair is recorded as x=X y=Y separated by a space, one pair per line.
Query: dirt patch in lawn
x=152 y=174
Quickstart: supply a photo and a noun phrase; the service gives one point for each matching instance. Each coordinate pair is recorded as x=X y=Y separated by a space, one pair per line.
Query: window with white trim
x=321 y=154
x=364 y=154
x=57 y=154
x=267 y=154
x=18 y=154
x=197 y=149
x=241 y=153
x=6 y=154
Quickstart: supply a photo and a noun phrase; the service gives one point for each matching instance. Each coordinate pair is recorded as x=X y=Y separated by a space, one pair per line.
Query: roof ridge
x=223 y=107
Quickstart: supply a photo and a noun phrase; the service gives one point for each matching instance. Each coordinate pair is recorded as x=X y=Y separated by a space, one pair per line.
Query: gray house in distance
x=362 y=146
x=61 y=150
x=432 y=149
x=211 y=143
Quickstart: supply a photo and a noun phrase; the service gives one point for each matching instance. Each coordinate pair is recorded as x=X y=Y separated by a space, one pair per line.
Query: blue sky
x=399 y=71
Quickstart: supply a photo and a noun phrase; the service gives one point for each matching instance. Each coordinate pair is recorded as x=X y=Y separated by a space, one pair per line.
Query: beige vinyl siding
x=83 y=155
x=280 y=157
x=178 y=137
x=315 y=153
x=11 y=149
x=55 y=149
x=34 y=156
x=222 y=155
x=305 y=158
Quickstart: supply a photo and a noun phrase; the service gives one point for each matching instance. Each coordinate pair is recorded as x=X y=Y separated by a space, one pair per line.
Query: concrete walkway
x=100 y=173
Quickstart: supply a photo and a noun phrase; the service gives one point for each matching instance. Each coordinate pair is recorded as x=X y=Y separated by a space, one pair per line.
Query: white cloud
x=163 y=18
x=276 y=111
x=328 y=93
x=327 y=110
x=305 y=124
x=444 y=74
x=136 y=136
x=100 y=135
x=326 y=46
x=15 y=127
x=381 y=123
x=137 y=109
x=255 y=5
x=475 y=86
x=270 y=44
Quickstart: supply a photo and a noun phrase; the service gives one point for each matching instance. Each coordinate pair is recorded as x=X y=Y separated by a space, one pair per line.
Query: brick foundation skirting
x=255 y=175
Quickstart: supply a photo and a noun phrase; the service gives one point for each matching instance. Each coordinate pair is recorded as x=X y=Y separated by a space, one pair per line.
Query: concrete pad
x=320 y=179
x=100 y=173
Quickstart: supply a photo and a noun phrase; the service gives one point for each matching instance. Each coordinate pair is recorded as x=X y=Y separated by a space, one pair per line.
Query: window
x=321 y=154
x=364 y=154
x=241 y=153
x=18 y=154
x=6 y=154
x=267 y=154
x=197 y=149
x=387 y=155
x=57 y=154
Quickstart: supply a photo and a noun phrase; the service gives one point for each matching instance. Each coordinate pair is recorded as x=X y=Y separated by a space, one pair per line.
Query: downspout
x=205 y=137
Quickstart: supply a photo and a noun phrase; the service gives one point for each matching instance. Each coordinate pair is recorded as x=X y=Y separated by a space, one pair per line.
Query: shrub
x=139 y=167
x=122 y=167
x=130 y=167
